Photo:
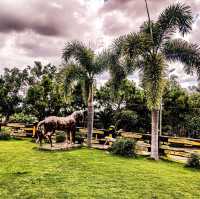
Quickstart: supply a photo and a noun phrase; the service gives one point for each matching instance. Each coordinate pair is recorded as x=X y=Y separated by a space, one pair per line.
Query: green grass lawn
x=28 y=173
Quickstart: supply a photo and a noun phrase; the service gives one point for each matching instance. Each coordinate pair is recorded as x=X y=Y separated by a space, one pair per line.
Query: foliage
x=45 y=95
x=194 y=123
x=79 y=138
x=111 y=102
x=104 y=118
x=175 y=107
x=23 y=118
x=126 y=120
x=11 y=83
x=194 y=161
x=4 y=136
x=60 y=137
x=123 y=147
x=85 y=67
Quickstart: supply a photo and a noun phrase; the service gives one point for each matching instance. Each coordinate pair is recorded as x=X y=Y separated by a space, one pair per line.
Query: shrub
x=22 y=118
x=4 y=136
x=79 y=138
x=123 y=147
x=126 y=120
x=60 y=137
x=194 y=161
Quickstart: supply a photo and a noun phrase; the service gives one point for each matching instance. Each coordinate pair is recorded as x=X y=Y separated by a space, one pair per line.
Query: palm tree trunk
x=154 y=134
x=90 y=116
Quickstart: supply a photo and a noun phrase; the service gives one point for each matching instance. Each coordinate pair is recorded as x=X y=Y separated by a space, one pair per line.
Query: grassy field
x=26 y=172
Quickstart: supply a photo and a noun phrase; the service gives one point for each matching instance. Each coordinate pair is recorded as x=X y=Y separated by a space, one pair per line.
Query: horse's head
x=78 y=116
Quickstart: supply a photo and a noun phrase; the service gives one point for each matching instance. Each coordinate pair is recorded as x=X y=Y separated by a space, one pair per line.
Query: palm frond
x=117 y=45
x=101 y=62
x=83 y=55
x=177 y=17
x=184 y=52
x=137 y=44
x=120 y=58
x=153 y=80
x=73 y=73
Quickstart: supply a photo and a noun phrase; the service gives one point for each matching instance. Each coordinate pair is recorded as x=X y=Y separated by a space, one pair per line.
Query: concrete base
x=59 y=147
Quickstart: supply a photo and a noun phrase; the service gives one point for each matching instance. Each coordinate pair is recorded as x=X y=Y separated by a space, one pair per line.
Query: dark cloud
x=39 y=28
x=52 y=18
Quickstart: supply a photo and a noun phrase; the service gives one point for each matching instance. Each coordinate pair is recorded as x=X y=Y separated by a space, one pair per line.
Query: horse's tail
x=38 y=134
x=39 y=125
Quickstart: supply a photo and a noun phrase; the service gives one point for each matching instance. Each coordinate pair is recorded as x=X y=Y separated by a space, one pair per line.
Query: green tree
x=12 y=84
x=126 y=96
x=175 y=108
x=150 y=53
x=83 y=66
x=44 y=95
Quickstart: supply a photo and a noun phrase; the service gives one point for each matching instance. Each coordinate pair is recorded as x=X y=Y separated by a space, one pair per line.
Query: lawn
x=26 y=172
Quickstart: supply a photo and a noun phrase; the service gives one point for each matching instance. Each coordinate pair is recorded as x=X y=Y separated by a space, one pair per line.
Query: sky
x=35 y=30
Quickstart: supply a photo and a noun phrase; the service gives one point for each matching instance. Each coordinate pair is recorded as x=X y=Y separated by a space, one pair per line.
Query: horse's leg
x=70 y=137
x=73 y=134
x=50 y=140
x=66 y=136
x=50 y=136
x=40 y=139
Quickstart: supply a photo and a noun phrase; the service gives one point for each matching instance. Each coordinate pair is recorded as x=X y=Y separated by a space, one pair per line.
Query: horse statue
x=53 y=123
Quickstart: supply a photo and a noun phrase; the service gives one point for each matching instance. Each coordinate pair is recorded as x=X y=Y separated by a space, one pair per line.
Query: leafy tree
x=38 y=71
x=12 y=83
x=83 y=66
x=126 y=120
x=127 y=96
x=116 y=99
x=45 y=95
x=76 y=99
x=175 y=108
x=194 y=103
x=150 y=53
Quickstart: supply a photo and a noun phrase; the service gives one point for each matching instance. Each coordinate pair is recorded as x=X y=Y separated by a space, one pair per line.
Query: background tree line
x=38 y=91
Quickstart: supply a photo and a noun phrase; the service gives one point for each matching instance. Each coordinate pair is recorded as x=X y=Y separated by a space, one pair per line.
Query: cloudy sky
x=36 y=30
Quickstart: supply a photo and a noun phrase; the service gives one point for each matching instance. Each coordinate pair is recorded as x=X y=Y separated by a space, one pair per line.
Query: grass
x=28 y=173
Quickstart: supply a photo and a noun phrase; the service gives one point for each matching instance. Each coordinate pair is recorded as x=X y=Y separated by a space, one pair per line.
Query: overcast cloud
x=37 y=30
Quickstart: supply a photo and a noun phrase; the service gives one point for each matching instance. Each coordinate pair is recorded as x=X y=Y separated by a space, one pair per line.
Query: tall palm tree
x=151 y=49
x=83 y=65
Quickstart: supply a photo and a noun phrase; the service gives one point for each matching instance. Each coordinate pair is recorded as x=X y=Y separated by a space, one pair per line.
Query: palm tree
x=83 y=66
x=150 y=51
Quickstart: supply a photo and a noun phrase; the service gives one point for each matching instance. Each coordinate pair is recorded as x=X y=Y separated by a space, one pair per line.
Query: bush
x=194 y=161
x=22 y=118
x=79 y=138
x=60 y=137
x=126 y=120
x=123 y=147
x=4 y=136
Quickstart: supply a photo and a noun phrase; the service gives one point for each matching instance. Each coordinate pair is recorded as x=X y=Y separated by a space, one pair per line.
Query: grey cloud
x=43 y=18
x=133 y=13
x=35 y=29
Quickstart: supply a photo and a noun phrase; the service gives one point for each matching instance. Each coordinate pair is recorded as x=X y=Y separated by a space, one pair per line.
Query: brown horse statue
x=53 y=123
